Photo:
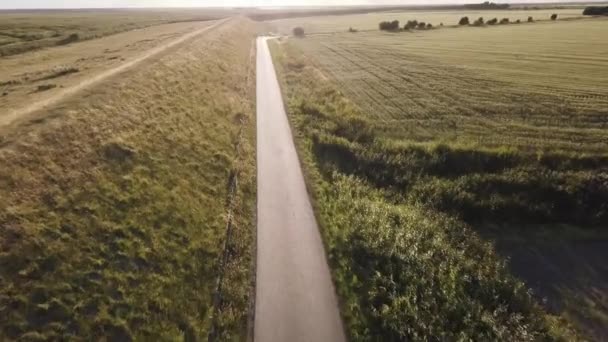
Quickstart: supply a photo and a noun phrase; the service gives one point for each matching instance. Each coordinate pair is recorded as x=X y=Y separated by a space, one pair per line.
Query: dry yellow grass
x=113 y=206
x=370 y=21
x=22 y=76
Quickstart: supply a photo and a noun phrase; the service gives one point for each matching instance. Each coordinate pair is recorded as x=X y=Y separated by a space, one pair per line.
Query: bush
x=411 y=24
x=389 y=25
x=492 y=21
x=517 y=21
x=74 y=37
x=504 y=21
x=596 y=10
x=421 y=25
x=298 y=32
x=352 y=30
x=478 y=22
x=429 y=26
x=46 y=87
x=530 y=19
x=464 y=21
x=440 y=24
x=554 y=16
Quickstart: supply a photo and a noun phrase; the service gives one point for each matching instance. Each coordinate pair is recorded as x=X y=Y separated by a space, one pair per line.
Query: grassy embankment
x=114 y=206
x=22 y=31
x=404 y=184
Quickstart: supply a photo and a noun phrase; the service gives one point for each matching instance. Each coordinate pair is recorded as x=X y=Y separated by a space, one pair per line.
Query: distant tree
x=504 y=21
x=596 y=10
x=352 y=30
x=464 y=21
x=478 y=22
x=554 y=16
x=421 y=25
x=492 y=21
x=298 y=32
x=389 y=25
x=429 y=26
x=530 y=19
x=411 y=24
x=517 y=21
x=440 y=24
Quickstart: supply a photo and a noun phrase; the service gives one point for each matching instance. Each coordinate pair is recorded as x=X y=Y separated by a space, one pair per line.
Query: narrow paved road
x=295 y=299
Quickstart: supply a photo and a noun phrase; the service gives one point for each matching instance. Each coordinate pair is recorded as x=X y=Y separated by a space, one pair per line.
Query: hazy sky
x=10 y=4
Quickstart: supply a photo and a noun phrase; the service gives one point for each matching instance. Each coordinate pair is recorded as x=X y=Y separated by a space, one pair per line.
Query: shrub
x=74 y=37
x=504 y=21
x=298 y=32
x=440 y=24
x=46 y=87
x=478 y=22
x=429 y=26
x=517 y=21
x=596 y=10
x=554 y=16
x=530 y=19
x=464 y=21
x=389 y=25
x=411 y=24
x=421 y=25
x=492 y=21
x=352 y=30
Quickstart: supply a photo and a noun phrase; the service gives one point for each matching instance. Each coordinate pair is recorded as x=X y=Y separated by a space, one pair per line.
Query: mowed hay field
x=530 y=86
x=22 y=31
x=115 y=206
x=448 y=166
x=369 y=21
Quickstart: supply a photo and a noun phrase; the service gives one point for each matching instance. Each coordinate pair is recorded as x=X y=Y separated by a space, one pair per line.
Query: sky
x=13 y=4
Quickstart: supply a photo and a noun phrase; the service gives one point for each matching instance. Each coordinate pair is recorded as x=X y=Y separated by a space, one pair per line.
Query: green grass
x=455 y=131
x=22 y=31
x=370 y=21
x=114 y=206
x=403 y=270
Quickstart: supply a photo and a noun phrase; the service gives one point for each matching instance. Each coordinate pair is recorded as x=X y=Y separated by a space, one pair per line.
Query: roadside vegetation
x=430 y=169
x=127 y=212
x=403 y=270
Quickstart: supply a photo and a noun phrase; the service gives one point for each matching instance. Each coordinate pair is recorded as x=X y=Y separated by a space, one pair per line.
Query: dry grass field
x=540 y=85
x=22 y=31
x=114 y=204
x=44 y=74
x=445 y=162
x=369 y=21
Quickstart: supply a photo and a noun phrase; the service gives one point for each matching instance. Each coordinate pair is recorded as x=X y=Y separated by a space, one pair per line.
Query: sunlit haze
x=11 y=4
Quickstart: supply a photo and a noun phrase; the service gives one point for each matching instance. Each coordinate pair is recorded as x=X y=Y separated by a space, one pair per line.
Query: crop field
x=459 y=160
x=22 y=31
x=369 y=21
x=127 y=209
x=493 y=86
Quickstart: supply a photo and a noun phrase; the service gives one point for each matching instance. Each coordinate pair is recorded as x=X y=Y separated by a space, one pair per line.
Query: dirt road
x=295 y=298
x=24 y=111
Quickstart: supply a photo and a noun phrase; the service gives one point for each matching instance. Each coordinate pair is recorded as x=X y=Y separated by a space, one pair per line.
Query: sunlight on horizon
x=33 y=4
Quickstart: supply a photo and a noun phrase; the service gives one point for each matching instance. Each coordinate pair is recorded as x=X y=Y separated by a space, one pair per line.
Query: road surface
x=295 y=297
x=20 y=112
